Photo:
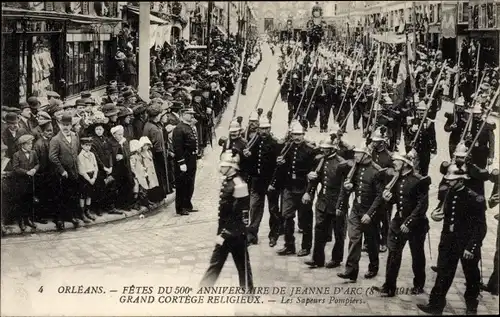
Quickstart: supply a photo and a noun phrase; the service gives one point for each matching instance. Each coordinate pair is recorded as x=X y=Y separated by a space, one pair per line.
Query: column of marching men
x=74 y=162
x=374 y=195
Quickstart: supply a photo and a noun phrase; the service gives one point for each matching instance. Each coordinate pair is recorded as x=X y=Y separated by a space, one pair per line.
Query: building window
x=463 y=12
x=491 y=17
x=438 y=13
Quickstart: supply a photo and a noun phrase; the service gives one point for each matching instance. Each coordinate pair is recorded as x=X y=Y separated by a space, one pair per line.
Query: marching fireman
x=464 y=228
x=294 y=93
x=483 y=150
x=261 y=155
x=425 y=147
x=409 y=224
x=331 y=173
x=295 y=161
x=455 y=124
x=365 y=180
x=233 y=219
x=253 y=124
x=324 y=104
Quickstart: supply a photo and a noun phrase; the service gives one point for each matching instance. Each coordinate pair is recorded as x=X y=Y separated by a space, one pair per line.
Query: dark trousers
x=356 y=230
x=312 y=115
x=325 y=222
x=423 y=161
x=384 y=216
x=451 y=250
x=244 y=83
x=68 y=202
x=364 y=121
x=397 y=242
x=237 y=246
x=324 y=116
x=184 y=184
x=493 y=281
x=292 y=203
x=451 y=149
x=356 y=113
x=257 y=201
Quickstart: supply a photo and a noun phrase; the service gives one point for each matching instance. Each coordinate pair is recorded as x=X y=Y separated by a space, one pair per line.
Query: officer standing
x=245 y=73
x=464 y=228
x=330 y=172
x=261 y=157
x=409 y=224
x=233 y=218
x=294 y=163
x=365 y=180
x=185 y=144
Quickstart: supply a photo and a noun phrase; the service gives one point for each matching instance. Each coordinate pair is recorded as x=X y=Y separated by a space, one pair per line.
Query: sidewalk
x=13 y=229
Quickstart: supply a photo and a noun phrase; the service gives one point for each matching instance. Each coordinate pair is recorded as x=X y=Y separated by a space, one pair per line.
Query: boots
x=30 y=223
x=83 y=217
x=88 y=214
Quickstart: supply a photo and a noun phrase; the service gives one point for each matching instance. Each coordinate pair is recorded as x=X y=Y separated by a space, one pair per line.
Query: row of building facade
x=69 y=47
x=440 y=24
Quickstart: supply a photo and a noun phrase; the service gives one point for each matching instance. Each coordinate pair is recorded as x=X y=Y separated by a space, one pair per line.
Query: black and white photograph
x=241 y=158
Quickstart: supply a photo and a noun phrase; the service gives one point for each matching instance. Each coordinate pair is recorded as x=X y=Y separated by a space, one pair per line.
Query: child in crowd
x=155 y=194
x=25 y=164
x=88 y=170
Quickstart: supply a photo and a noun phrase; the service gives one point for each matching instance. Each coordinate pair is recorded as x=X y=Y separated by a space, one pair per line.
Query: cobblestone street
x=169 y=250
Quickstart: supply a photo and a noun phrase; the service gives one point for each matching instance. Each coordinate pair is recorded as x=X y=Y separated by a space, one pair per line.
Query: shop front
x=53 y=51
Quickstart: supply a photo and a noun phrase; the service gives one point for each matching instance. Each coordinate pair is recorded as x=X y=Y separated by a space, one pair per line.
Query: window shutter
x=460 y=12
x=85 y=8
x=49 y=6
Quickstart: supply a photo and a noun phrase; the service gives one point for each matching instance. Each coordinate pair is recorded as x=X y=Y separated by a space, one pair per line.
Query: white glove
x=183 y=168
x=219 y=240
x=119 y=157
x=312 y=175
x=209 y=110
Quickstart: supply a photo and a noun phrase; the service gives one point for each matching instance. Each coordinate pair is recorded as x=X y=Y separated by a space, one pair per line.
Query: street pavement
x=169 y=250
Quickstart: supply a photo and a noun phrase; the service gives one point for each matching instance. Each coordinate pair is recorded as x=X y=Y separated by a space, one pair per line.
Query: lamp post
x=209 y=29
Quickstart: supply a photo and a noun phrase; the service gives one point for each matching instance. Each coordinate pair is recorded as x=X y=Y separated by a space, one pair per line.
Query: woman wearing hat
x=125 y=120
x=153 y=129
x=122 y=173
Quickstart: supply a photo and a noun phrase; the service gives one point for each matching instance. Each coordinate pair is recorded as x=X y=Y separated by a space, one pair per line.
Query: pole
x=414 y=18
x=143 y=80
x=228 y=21
x=209 y=28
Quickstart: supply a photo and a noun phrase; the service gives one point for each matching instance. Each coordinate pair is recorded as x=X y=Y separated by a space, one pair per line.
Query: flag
x=399 y=91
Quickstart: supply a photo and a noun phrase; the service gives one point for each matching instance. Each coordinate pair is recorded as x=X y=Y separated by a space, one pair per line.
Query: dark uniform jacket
x=455 y=133
x=299 y=161
x=485 y=145
x=234 y=199
x=262 y=162
x=184 y=142
x=382 y=158
x=426 y=141
x=368 y=186
x=410 y=194
x=464 y=218
x=331 y=176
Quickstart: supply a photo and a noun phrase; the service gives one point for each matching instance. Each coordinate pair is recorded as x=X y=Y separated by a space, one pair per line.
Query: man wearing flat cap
x=140 y=119
x=186 y=149
x=25 y=165
x=63 y=154
x=11 y=133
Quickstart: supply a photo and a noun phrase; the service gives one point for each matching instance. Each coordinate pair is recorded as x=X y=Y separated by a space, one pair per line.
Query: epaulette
x=424 y=180
x=491 y=123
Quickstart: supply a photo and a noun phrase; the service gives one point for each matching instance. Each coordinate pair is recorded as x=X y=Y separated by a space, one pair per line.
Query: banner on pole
x=448 y=22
